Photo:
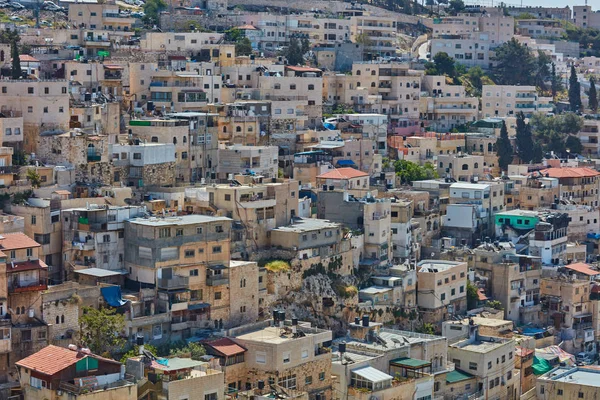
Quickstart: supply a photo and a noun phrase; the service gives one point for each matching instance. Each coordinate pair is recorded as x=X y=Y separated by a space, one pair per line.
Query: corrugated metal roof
x=372 y=374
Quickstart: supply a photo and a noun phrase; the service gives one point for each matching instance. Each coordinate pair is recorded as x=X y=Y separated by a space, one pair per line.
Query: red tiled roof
x=113 y=67
x=569 y=172
x=61 y=192
x=302 y=69
x=247 y=28
x=480 y=295
x=27 y=58
x=26 y=266
x=226 y=347
x=343 y=173
x=15 y=241
x=582 y=268
x=51 y=360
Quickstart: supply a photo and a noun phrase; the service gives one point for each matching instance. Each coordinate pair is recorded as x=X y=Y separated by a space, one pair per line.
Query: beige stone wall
x=243 y=293
x=197 y=387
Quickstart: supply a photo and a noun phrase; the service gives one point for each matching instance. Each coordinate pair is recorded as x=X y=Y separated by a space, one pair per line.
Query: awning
x=112 y=295
x=410 y=363
x=113 y=67
x=198 y=306
x=217 y=267
x=372 y=374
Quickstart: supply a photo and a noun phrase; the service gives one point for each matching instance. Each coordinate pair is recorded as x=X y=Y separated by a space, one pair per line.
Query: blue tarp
x=112 y=295
x=343 y=163
x=198 y=306
x=593 y=235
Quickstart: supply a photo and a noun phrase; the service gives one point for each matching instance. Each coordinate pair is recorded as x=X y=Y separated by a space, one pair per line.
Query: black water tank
x=365 y=321
x=281 y=315
x=150 y=106
x=139 y=340
x=357 y=321
x=261 y=385
x=275 y=315
x=342 y=347
x=294 y=321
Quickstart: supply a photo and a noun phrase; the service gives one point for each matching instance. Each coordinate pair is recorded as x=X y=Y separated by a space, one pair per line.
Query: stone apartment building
x=11 y=128
x=492 y=361
x=94 y=237
x=570 y=382
x=261 y=160
x=507 y=101
x=549 y=239
x=539 y=28
x=584 y=17
x=580 y=185
x=256 y=206
x=401 y=213
x=144 y=164
x=462 y=167
x=291 y=354
x=43 y=104
x=380 y=31
x=441 y=290
x=446 y=106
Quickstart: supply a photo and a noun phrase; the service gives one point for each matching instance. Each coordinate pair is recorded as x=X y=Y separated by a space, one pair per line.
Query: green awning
x=412 y=363
x=540 y=366
x=457 y=376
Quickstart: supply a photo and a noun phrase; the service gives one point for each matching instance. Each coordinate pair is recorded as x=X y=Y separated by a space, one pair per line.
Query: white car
x=16 y=19
x=16 y=6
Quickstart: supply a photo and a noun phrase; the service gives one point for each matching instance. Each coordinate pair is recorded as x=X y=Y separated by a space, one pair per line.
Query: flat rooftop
x=519 y=213
x=276 y=335
x=587 y=376
x=470 y=186
x=480 y=346
x=437 y=265
x=181 y=220
x=307 y=224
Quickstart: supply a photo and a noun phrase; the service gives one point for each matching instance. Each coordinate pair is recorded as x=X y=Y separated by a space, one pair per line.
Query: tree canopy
x=101 y=329
x=574 y=91
x=409 y=171
x=504 y=148
x=593 y=96
x=517 y=65
x=442 y=64
x=152 y=9
x=293 y=53
x=556 y=132
x=524 y=139
x=243 y=47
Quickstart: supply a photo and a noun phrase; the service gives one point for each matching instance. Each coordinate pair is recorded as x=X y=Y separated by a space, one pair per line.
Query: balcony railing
x=175 y=282
x=78 y=390
x=217 y=280
x=32 y=286
x=94 y=157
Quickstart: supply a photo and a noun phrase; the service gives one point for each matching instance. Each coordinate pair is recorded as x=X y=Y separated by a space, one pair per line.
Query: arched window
x=277 y=86
x=57 y=320
x=450 y=165
x=358 y=84
x=476 y=165
x=62 y=319
x=23 y=310
x=224 y=129
x=358 y=72
x=238 y=128
x=18 y=311
x=185 y=139
x=490 y=146
x=174 y=140
x=373 y=72
x=441 y=165
x=91 y=149
x=373 y=84
x=465 y=167
x=250 y=129
x=408 y=97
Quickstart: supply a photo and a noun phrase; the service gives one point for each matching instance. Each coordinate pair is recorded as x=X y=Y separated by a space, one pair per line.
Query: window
x=13 y=254
x=193 y=272
x=35 y=382
x=287 y=356
x=217 y=295
x=30 y=90
x=311 y=87
x=308 y=380
x=261 y=357
x=304 y=354
x=227 y=197
x=580 y=395
x=25 y=334
x=199 y=230
x=321 y=376
x=169 y=253
x=190 y=253
x=292 y=87
x=29 y=109
x=559 y=392
x=164 y=233
x=29 y=252
x=288 y=382
x=219 y=229
x=489 y=365
x=473 y=366
x=179 y=232
x=216 y=249
x=137 y=156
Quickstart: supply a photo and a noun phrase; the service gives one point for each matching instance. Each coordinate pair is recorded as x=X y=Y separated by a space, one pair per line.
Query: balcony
x=10 y=169
x=97 y=42
x=182 y=306
x=175 y=282
x=75 y=390
x=217 y=280
x=34 y=285
x=113 y=75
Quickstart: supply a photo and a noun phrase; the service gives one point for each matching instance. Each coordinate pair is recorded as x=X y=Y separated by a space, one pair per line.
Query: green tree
x=593 y=96
x=515 y=64
x=409 y=171
x=574 y=91
x=475 y=76
x=472 y=296
x=100 y=330
x=573 y=144
x=557 y=85
x=193 y=350
x=524 y=139
x=427 y=329
x=504 y=148
x=442 y=64
x=305 y=44
x=16 y=71
x=495 y=304
x=152 y=9
x=19 y=157
x=293 y=53
x=135 y=351
x=34 y=178
x=542 y=72
x=456 y=6
x=538 y=152
x=243 y=47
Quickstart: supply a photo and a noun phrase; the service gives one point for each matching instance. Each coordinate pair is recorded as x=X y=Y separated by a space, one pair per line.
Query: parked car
x=16 y=6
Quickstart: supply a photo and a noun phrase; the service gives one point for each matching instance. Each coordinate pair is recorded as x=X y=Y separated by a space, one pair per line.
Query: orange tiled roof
x=582 y=268
x=247 y=28
x=51 y=360
x=570 y=172
x=302 y=69
x=343 y=173
x=15 y=241
x=27 y=58
x=226 y=346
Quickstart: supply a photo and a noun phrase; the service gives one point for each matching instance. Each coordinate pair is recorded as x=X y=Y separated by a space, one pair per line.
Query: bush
x=277 y=266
